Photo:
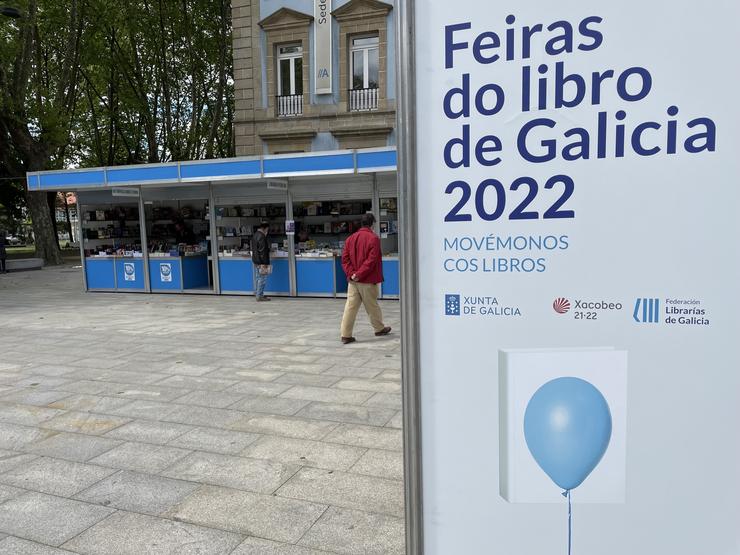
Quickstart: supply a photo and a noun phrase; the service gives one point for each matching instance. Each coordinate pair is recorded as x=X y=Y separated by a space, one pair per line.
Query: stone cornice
x=361 y=9
x=285 y=18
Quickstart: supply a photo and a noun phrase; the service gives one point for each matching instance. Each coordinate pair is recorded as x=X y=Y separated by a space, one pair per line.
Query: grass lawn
x=19 y=252
x=69 y=255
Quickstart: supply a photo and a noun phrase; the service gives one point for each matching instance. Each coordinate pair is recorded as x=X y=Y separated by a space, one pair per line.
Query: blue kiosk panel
x=279 y=280
x=195 y=272
x=236 y=275
x=315 y=276
x=340 y=285
x=130 y=273
x=165 y=274
x=391 y=285
x=100 y=273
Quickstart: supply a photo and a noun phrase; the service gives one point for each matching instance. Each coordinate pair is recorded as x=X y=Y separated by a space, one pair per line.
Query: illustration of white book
x=521 y=373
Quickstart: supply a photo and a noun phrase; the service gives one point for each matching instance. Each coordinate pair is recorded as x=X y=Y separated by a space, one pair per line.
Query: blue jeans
x=259 y=282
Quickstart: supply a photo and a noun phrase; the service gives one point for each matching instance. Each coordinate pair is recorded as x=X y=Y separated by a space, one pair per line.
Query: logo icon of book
x=647 y=311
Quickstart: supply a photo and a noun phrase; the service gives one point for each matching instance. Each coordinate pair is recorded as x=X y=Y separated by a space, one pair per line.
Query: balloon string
x=567 y=495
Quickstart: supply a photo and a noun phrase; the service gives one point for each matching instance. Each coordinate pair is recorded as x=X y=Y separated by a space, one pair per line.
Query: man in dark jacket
x=362 y=261
x=261 y=260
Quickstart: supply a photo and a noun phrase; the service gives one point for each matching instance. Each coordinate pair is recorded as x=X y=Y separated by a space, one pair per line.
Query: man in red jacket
x=363 y=263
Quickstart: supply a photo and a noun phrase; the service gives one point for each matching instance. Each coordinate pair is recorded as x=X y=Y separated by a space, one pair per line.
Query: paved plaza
x=189 y=424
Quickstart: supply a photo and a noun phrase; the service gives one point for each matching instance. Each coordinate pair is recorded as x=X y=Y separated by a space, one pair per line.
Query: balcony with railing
x=289 y=105
x=363 y=100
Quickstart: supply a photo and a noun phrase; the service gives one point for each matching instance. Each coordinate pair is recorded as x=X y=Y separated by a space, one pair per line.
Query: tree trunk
x=51 y=200
x=43 y=228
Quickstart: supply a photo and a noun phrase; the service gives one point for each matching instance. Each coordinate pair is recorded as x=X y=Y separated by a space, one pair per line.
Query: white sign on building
x=576 y=180
x=322 y=47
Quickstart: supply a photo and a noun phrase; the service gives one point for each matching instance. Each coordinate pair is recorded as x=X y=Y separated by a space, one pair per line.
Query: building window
x=364 y=73
x=290 y=80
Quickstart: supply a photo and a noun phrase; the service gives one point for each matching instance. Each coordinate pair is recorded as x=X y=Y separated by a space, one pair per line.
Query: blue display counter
x=315 y=276
x=391 y=287
x=236 y=274
x=130 y=274
x=114 y=273
x=340 y=278
x=178 y=273
x=101 y=273
x=278 y=282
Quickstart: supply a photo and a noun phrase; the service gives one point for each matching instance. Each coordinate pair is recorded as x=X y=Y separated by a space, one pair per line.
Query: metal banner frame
x=408 y=251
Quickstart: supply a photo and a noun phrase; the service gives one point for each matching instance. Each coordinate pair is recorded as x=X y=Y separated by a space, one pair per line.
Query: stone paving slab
x=264 y=516
x=36 y=397
x=225 y=427
x=136 y=492
x=307 y=379
x=134 y=534
x=352 y=414
x=261 y=476
x=141 y=457
x=12 y=459
x=149 y=431
x=259 y=546
x=17 y=546
x=380 y=463
x=270 y=405
x=387 y=400
x=214 y=440
x=357 y=533
x=9 y=492
x=48 y=519
x=285 y=426
x=84 y=423
x=89 y=403
x=204 y=416
x=319 y=454
x=369 y=385
x=16 y=437
x=396 y=421
x=27 y=415
x=55 y=476
x=326 y=395
x=344 y=489
x=367 y=436
x=213 y=399
x=74 y=447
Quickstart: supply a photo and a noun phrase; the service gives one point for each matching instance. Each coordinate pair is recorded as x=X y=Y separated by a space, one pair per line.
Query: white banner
x=578 y=170
x=322 y=46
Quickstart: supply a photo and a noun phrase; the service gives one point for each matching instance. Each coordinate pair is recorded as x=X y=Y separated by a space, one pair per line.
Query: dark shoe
x=346 y=340
x=385 y=331
x=263 y=299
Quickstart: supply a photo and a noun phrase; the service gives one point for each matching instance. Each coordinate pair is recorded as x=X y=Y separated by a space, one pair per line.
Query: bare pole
x=408 y=235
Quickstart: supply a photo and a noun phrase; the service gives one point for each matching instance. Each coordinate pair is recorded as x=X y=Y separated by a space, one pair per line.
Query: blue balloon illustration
x=567 y=426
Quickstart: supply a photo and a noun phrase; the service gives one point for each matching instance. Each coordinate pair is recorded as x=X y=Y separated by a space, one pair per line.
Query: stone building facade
x=277 y=107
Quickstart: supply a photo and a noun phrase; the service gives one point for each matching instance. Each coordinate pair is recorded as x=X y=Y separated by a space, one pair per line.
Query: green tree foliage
x=104 y=82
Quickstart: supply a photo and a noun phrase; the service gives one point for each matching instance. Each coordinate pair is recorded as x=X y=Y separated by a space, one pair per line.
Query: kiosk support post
x=144 y=245
x=376 y=204
x=213 y=233
x=291 y=242
x=80 y=234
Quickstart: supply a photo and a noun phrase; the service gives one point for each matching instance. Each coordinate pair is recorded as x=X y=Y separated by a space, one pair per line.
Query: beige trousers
x=361 y=294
